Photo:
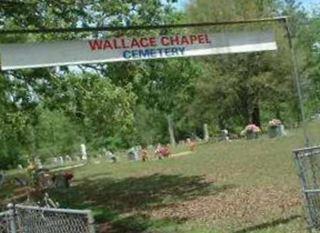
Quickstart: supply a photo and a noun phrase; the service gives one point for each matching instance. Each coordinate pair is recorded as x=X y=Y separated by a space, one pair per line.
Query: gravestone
x=225 y=135
x=60 y=161
x=109 y=154
x=206 y=133
x=133 y=154
x=277 y=131
x=130 y=154
x=55 y=161
x=112 y=156
x=38 y=163
x=20 y=167
x=104 y=153
x=83 y=152
x=282 y=130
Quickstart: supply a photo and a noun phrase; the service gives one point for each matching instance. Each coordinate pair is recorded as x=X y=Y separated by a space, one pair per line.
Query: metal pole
x=91 y=222
x=297 y=80
x=137 y=27
x=303 y=181
x=12 y=218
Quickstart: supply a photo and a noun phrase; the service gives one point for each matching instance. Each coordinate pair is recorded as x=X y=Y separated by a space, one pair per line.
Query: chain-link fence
x=308 y=164
x=33 y=219
x=4 y=222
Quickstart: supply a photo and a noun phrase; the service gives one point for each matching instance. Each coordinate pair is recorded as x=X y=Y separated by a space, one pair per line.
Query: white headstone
x=20 y=167
x=38 y=163
x=133 y=153
x=83 y=152
x=225 y=135
x=206 y=133
x=137 y=154
x=61 y=161
x=109 y=154
x=282 y=130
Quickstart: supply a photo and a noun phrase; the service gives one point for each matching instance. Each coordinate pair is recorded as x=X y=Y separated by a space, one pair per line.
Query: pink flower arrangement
x=252 y=128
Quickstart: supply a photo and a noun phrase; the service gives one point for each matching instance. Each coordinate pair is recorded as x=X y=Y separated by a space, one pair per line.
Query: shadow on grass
x=139 y=223
x=111 y=199
x=269 y=224
x=142 y=193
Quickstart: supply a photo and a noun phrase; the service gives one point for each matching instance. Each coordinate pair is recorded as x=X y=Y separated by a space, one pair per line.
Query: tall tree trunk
x=244 y=106
x=221 y=122
x=171 y=131
x=278 y=113
x=255 y=115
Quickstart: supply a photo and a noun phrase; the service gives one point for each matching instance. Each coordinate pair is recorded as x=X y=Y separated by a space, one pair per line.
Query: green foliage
x=55 y=134
x=103 y=111
x=248 y=88
x=309 y=39
x=151 y=126
x=45 y=112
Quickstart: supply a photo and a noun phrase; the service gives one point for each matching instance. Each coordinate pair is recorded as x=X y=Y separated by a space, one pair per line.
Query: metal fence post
x=308 y=165
x=304 y=187
x=91 y=222
x=297 y=80
x=12 y=222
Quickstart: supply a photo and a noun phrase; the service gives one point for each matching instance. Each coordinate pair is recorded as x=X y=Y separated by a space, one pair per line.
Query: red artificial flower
x=68 y=175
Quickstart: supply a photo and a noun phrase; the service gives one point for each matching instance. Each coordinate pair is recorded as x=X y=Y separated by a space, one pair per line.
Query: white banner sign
x=44 y=54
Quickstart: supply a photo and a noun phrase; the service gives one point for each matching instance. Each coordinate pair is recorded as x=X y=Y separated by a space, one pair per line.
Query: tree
x=245 y=88
x=85 y=101
x=167 y=86
x=15 y=125
x=55 y=134
x=102 y=110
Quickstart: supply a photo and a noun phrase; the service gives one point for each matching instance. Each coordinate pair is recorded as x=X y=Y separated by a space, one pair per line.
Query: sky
x=309 y=3
x=306 y=3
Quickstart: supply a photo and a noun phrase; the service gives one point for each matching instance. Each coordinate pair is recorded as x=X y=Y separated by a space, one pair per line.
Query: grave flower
x=274 y=123
x=68 y=176
x=63 y=179
x=251 y=131
x=274 y=128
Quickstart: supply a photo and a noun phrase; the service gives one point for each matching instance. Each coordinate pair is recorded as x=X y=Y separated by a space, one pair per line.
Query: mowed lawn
x=239 y=186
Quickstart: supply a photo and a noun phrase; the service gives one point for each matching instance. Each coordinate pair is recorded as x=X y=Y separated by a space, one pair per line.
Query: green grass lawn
x=239 y=186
